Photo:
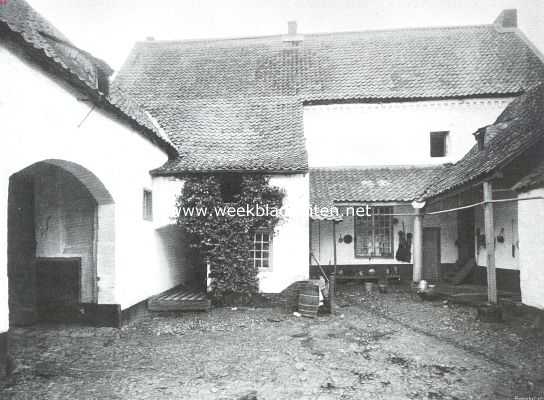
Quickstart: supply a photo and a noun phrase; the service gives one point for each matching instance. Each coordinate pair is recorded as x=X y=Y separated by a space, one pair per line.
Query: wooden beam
x=490 y=243
x=332 y=279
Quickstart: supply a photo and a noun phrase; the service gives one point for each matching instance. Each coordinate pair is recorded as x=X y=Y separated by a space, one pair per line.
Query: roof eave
x=56 y=67
x=404 y=99
x=183 y=172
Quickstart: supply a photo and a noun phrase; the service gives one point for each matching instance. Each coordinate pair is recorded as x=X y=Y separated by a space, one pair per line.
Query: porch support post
x=332 y=285
x=490 y=243
x=418 y=245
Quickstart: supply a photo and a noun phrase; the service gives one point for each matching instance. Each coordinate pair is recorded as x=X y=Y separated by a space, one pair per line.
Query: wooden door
x=465 y=235
x=431 y=254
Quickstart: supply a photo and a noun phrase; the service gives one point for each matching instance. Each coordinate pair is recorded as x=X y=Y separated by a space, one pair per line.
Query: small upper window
x=439 y=143
x=230 y=186
x=148 y=205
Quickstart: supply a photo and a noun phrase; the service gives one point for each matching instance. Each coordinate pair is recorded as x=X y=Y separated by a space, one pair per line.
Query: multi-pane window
x=439 y=143
x=374 y=234
x=148 y=205
x=262 y=247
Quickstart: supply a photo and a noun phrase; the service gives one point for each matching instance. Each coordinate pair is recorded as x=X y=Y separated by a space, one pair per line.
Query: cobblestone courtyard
x=382 y=346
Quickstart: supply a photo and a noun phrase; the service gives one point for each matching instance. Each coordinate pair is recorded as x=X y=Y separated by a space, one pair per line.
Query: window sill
x=389 y=256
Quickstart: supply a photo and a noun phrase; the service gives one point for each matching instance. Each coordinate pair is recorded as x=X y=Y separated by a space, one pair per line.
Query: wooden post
x=490 y=244
x=332 y=279
x=418 y=246
x=332 y=293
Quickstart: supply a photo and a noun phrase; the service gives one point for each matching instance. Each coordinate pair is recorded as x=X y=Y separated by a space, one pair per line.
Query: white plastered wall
x=42 y=119
x=531 y=248
x=381 y=133
x=291 y=236
x=505 y=218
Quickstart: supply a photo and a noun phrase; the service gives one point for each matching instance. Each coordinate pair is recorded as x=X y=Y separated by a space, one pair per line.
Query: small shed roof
x=383 y=184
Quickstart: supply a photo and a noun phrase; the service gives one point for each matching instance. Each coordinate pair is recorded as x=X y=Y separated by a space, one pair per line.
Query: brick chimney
x=507 y=19
x=292 y=35
x=292 y=28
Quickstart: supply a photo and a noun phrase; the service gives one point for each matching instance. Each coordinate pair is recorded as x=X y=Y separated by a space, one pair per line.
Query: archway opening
x=60 y=242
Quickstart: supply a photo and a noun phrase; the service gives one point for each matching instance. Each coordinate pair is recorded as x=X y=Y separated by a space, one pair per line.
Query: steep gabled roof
x=396 y=64
x=47 y=45
x=179 y=77
x=518 y=129
x=330 y=186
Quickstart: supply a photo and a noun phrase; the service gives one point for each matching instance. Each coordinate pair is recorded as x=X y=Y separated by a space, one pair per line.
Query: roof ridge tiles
x=316 y=34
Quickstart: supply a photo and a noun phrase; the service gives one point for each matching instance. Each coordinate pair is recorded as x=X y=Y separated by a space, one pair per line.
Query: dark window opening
x=230 y=186
x=439 y=143
x=148 y=205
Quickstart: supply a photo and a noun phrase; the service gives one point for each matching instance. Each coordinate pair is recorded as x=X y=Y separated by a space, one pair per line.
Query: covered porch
x=366 y=226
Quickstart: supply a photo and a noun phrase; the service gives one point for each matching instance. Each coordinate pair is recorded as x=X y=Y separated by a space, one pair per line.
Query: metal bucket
x=369 y=287
x=422 y=286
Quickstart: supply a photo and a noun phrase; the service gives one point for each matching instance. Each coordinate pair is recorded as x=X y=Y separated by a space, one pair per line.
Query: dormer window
x=439 y=143
x=481 y=141
x=480 y=138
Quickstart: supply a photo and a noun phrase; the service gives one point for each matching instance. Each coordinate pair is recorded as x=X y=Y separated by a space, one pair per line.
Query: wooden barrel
x=308 y=301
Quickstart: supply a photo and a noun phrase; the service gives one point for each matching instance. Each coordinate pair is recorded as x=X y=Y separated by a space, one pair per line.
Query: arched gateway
x=61 y=241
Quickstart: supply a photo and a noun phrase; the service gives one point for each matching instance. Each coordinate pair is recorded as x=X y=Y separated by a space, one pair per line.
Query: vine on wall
x=226 y=241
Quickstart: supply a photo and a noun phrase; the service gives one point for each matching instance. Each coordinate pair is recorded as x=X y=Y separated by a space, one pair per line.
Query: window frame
x=444 y=135
x=147 y=204
x=258 y=262
x=386 y=210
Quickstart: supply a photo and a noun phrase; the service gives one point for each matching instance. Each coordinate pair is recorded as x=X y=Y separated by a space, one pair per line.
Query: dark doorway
x=465 y=235
x=21 y=251
x=58 y=289
x=52 y=219
x=431 y=254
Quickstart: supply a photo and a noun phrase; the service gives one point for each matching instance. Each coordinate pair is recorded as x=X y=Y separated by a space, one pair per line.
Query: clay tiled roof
x=533 y=179
x=369 y=184
x=227 y=135
x=375 y=65
x=406 y=63
x=49 y=46
x=519 y=128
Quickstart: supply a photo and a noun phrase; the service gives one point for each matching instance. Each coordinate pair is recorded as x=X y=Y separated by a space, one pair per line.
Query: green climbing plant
x=225 y=241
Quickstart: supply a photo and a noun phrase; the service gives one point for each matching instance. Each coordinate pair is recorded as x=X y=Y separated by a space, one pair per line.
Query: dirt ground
x=379 y=346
